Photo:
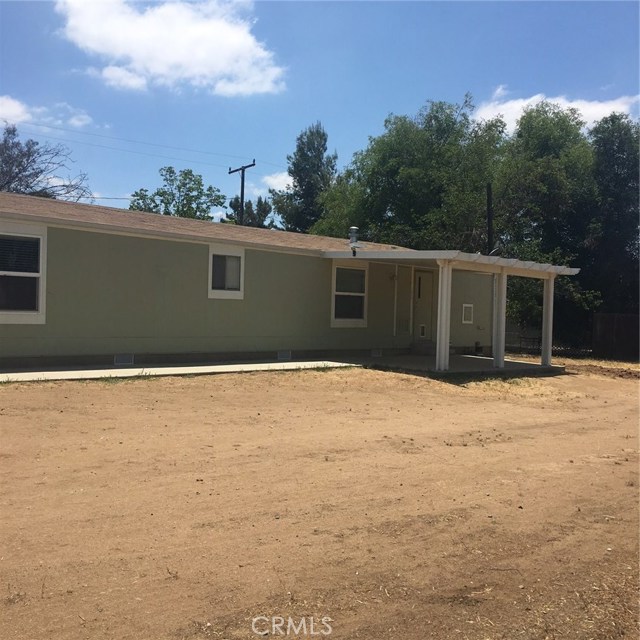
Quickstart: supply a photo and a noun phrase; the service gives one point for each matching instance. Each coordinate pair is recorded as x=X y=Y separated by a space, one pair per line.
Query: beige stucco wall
x=468 y=287
x=109 y=294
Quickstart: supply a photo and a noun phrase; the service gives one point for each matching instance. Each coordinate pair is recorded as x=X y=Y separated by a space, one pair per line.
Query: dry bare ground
x=397 y=506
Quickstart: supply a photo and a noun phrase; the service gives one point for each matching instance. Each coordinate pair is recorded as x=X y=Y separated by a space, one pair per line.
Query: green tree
x=254 y=216
x=38 y=169
x=343 y=207
x=546 y=194
x=182 y=194
x=422 y=183
x=545 y=186
x=312 y=172
x=611 y=263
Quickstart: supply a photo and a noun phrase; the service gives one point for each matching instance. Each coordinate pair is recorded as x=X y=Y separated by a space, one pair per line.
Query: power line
x=142 y=153
x=131 y=141
x=134 y=151
x=137 y=152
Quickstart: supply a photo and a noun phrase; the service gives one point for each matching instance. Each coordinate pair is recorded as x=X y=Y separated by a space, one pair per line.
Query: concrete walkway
x=134 y=372
x=425 y=365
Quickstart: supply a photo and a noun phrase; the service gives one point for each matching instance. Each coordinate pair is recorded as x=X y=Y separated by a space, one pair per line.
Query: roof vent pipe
x=353 y=239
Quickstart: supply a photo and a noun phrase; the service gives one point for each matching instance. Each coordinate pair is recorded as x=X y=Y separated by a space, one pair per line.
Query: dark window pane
x=225 y=273
x=19 y=254
x=349 y=307
x=218 y=275
x=18 y=294
x=350 y=280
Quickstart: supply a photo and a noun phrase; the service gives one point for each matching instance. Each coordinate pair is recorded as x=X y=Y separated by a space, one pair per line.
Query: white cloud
x=206 y=44
x=500 y=92
x=13 y=111
x=590 y=110
x=279 y=181
x=60 y=114
x=254 y=190
x=79 y=120
x=121 y=78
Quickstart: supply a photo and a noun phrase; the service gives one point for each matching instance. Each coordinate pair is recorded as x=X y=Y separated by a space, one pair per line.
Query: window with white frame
x=467 y=314
x=349 y=296
x=226 y=272
x=22 y=283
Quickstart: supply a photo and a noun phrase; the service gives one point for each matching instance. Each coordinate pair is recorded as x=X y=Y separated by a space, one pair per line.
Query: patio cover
x=501 y=268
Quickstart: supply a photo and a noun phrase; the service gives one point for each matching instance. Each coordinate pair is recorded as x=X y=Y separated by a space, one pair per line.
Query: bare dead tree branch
x=39 y=169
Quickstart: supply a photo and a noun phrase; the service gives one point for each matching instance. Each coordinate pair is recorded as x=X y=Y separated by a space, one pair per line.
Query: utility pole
x=242 y=170
x=490 y=246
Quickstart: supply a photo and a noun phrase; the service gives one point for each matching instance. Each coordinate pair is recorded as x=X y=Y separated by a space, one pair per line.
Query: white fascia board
x=526 y=268
x=392 y=255
x=517 y=268
x=463 y=261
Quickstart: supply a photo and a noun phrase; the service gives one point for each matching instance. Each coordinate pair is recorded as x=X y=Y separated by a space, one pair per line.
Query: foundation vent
x=123 y=359
x=284 y=355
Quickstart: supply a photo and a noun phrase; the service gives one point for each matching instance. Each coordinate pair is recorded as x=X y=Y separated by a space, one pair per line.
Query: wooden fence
x=615 y=336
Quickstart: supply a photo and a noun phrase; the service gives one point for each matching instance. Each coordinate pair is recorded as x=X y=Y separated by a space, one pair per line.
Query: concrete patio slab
x=459 y=364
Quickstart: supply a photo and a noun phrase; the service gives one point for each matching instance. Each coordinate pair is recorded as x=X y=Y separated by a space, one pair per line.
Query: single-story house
x=84 y=284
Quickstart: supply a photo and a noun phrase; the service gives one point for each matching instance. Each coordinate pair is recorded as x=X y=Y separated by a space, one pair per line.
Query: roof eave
x=155 y=234
x=462 y=260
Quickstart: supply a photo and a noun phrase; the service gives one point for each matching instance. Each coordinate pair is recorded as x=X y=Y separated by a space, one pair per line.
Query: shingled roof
x=108 y=219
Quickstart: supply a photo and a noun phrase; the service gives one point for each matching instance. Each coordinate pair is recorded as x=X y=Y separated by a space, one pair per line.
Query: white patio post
x=494 y=315
x=499 y=319
x=444 y=315
x=547 y=321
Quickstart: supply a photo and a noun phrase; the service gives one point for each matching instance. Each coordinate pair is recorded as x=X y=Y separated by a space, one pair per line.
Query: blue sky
x=130 y=87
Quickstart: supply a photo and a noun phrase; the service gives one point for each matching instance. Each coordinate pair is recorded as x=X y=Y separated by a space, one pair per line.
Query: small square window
x=226 y=272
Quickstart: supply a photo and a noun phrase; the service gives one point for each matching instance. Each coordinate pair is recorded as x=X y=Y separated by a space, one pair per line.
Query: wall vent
x=284 y=355
x=123 y=359
x=376 y=353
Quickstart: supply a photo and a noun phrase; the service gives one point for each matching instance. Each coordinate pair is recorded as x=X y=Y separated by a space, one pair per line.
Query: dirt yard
x=365 y=504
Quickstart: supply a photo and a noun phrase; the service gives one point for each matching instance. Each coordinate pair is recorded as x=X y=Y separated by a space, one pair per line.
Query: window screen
x=20 y=255
x=225 y=274
x=350 y=280
x=19 y=273
x=349 y=298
